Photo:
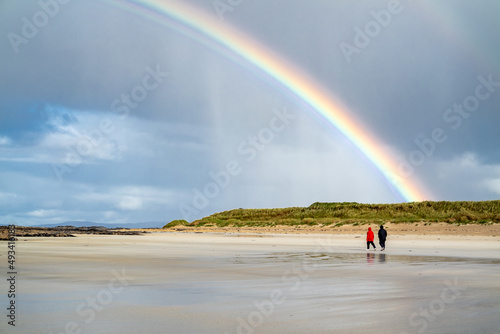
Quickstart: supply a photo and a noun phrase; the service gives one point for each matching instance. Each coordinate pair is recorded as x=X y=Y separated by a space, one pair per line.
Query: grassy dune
x=483 y=212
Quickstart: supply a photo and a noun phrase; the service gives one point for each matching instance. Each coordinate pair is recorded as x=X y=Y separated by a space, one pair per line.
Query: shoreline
x=61 y=231
x=426 y=229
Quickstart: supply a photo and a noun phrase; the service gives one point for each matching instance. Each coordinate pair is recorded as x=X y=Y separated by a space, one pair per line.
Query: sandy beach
x=186 y=282
x=417 y=229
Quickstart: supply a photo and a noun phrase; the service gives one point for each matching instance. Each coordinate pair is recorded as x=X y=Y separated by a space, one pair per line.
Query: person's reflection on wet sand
x=381 y=257
x=370 y=258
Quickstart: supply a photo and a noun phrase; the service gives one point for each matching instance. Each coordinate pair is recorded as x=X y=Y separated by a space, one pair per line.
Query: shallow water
x=359 y=258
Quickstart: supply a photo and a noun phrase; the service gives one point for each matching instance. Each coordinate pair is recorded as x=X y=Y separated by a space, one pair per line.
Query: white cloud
x=84 y=136
x=493 y=185
x=86 y=141
x=26 y=155
x=110 y=215
x=5 y=141
x=464 y=177
x=9 y=199
x=128 y=197
x=130 y=203
x=468 y=160
x=43 y=213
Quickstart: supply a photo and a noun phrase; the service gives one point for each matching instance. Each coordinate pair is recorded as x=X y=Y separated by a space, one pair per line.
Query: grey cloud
x=91 y=54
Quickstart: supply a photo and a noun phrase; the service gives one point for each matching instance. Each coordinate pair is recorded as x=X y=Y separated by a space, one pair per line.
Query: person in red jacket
x=369 y=239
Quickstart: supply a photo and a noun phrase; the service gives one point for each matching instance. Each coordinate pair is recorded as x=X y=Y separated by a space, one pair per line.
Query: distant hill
x=73 y=223
x=464 y=212
x=88 y=224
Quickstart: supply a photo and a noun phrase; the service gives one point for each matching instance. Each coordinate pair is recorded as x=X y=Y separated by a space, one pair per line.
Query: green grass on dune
x=177 y=222
x=338 y=214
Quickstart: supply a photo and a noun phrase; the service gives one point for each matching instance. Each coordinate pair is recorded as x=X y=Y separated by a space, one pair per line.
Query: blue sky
x=110 y=117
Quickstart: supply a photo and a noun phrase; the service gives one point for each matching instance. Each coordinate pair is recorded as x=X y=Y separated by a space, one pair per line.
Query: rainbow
x=283 y=73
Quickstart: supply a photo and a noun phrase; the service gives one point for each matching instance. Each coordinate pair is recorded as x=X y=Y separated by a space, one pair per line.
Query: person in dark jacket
x=382 y=235
x=369 y=239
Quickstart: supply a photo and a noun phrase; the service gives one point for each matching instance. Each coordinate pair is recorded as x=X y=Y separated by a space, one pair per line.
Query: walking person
x=369 y=239
x=382 y=235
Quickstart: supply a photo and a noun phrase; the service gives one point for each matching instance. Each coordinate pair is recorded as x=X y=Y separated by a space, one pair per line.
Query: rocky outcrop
x=62 y=231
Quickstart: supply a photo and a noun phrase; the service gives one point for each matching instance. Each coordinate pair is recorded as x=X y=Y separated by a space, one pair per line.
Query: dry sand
x=422 y=228
x=256 y=283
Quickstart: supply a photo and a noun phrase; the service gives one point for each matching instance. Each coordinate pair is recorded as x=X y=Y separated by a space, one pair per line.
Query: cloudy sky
x=113 y=116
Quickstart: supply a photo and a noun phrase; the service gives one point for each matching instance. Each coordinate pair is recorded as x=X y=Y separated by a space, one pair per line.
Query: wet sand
x=255 y=283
